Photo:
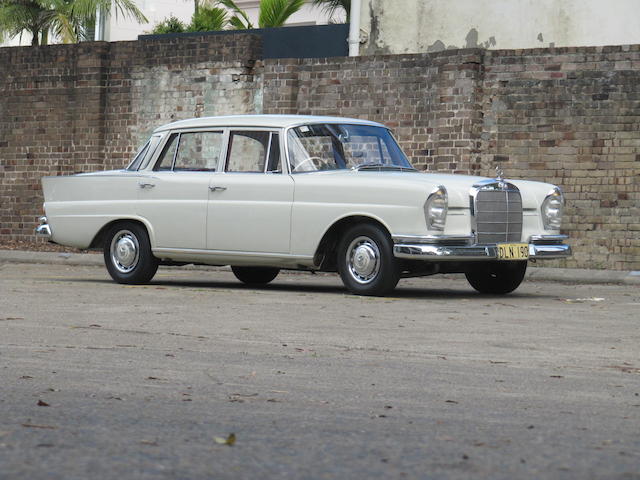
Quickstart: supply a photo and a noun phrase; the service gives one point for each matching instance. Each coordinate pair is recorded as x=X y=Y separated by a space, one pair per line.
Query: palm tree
x=68 y=19
x=330 y=6
x=206 y=18
x=273 y=13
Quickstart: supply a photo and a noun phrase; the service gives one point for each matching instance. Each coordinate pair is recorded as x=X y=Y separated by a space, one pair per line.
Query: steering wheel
x=317 y=163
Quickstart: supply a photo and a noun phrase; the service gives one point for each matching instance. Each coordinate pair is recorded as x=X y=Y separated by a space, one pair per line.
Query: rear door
x=173 y=197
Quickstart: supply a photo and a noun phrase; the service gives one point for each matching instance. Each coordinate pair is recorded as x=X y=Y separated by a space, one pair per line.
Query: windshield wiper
x=382 y=166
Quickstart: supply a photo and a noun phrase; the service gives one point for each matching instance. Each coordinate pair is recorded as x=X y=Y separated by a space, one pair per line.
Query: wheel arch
x=324 y=256
x=99 y=238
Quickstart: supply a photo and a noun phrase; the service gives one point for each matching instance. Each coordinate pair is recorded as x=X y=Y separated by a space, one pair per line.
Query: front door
x=250 y=203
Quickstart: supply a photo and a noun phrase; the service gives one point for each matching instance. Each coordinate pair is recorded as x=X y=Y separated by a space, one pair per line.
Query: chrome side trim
x=283 y=256
x=434 y=239
x=43 y=230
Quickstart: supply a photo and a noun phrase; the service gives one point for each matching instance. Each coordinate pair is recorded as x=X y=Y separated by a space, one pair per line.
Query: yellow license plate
x=513 y=251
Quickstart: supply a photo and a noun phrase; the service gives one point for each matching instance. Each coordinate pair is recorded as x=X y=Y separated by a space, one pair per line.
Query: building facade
x=417 y=26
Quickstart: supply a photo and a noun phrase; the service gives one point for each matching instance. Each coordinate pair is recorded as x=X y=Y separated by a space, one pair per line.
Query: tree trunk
x=35 y=38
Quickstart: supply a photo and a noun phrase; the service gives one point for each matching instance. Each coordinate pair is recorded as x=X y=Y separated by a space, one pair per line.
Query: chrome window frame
x=270 y=131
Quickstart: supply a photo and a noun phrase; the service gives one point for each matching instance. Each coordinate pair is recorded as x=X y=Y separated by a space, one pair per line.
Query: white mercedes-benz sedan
x=268 y=192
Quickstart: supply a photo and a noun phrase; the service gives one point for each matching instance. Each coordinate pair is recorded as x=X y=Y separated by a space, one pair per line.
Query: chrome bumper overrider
x=458 y=248
x=43 y=230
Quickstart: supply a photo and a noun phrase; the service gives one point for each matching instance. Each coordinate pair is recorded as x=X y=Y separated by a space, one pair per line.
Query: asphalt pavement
x=196 y=376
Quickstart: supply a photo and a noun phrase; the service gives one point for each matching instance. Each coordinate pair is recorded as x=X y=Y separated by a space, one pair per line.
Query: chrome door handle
x=217 y=189
x=146 y=185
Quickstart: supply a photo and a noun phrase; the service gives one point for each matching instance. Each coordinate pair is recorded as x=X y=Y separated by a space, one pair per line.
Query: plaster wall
x=415 y=26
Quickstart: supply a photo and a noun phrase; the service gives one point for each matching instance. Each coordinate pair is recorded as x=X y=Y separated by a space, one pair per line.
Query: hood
x=458 y=186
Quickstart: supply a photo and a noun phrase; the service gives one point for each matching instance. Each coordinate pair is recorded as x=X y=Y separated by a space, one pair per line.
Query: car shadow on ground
x=401 y=292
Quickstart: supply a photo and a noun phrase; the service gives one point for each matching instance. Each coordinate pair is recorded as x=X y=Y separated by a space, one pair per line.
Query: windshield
x=340 y=146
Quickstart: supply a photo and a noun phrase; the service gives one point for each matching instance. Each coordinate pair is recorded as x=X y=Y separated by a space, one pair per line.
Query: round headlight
x=435 y=209
x=551 y=210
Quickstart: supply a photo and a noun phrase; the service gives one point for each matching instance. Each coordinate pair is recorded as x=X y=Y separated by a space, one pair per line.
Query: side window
x=247 y=151
x=274 y=164
x=191 y=151
x=153 y=145
x=135 y=164
x=199 y=151
x=165 y=162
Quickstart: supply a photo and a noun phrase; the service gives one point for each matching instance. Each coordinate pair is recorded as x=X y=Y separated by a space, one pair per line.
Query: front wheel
x=255 y=275
x=127 y=254
x=365 y=260
x=496 y=278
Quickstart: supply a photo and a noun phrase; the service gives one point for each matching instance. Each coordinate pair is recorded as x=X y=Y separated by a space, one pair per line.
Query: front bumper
x=461 y=248
x=43 y=230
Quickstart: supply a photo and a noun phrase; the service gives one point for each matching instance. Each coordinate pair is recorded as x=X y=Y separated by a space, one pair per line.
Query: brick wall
x=571 y=116
x=567 y=116
x=87 y=107
x=431 y=101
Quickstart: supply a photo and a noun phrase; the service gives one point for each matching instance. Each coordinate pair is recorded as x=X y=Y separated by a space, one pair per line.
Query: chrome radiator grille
x=497 y=212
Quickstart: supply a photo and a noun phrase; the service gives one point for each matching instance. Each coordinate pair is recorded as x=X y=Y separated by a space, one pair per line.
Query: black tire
x=127 y=254
x=365 y=260
x=496 y=278
x=255 y=275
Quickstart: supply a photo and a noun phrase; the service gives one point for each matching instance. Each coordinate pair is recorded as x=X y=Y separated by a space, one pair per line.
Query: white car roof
x=268 y=121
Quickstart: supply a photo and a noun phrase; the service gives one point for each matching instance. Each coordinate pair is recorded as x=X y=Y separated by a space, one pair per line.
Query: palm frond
x=240 y=21
x=330 y=7
x=274 y=13
x=208 y=19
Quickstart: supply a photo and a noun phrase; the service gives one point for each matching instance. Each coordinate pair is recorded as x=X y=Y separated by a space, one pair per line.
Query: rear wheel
x=255 y=275
x=496 y=277
x=127 y=254
x=366 y=262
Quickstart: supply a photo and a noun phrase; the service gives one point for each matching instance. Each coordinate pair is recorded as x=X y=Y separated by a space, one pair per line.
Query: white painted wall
x=412 y=26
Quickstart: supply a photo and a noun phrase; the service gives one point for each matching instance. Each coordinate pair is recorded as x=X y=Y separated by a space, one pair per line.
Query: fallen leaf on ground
x=230 y=440
x=31 y=425
x=582 y=300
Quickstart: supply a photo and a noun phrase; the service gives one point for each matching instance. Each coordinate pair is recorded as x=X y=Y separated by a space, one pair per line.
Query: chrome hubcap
x=363 y=259
x=125 y=251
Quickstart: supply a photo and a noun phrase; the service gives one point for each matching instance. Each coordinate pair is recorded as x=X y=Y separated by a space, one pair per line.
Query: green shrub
x=169 y=25
x=207 y=19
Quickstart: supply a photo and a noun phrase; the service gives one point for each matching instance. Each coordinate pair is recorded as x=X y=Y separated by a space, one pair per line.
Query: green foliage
x=239 y=21
x=68 y=19
x=273 y=13
x=331 y=6
x=171 y=24
x=208 y=18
